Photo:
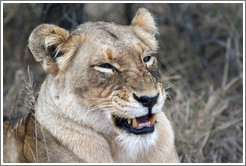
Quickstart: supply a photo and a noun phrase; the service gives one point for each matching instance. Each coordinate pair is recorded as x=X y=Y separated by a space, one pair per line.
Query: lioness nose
x=146 y=101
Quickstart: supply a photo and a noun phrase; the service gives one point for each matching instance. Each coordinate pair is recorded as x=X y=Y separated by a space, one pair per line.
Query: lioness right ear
x=47 y=42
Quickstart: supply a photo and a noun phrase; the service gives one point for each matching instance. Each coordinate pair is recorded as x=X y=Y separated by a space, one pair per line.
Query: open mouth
x=139 y=125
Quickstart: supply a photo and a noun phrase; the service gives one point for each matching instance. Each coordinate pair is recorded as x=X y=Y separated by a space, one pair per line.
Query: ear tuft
x=47 y=42
x=55 y=40
x=144 y=20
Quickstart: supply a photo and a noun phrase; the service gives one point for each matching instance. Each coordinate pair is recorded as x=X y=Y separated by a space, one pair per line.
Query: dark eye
x=108 y=66
x=147 y=58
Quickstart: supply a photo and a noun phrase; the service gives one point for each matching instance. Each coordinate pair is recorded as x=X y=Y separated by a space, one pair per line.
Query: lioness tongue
x=143 y=121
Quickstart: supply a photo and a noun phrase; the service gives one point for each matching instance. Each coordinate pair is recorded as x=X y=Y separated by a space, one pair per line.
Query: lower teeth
x=135 y=124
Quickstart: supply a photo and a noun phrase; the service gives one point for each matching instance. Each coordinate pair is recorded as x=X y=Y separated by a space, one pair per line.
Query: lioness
x=101 y=100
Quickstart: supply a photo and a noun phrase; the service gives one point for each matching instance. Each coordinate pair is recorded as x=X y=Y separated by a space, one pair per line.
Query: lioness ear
x=47 y=42
x=145 y=28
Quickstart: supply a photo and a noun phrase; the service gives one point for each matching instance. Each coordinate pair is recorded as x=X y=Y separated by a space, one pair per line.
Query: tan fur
x=72 y=120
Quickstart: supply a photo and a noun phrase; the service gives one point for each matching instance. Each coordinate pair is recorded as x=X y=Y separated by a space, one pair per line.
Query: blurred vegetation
x=201 y=65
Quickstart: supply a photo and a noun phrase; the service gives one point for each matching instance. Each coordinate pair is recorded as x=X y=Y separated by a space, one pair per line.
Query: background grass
x=201 y=65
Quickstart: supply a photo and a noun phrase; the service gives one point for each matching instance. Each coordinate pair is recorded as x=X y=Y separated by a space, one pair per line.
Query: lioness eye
x=147 y=58
x=107 y=66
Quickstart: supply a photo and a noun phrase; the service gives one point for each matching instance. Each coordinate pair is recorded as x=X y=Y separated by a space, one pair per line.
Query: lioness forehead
x=111 y=34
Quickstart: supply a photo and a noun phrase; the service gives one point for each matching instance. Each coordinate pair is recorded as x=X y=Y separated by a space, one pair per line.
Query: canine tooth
x=152 y=119
x=134 y=123
x=129 y=121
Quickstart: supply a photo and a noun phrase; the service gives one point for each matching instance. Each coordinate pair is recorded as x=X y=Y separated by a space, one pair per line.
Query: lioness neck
x=72 y=134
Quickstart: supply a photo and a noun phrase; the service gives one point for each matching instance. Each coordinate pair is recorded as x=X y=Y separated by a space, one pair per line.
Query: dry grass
x=205 y=71
x=208 y=124
x=28 y=91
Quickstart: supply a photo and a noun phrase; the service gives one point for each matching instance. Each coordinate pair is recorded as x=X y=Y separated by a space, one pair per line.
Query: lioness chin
x=101 y=100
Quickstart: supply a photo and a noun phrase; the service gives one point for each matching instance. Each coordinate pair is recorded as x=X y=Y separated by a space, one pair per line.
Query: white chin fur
x=137 y=145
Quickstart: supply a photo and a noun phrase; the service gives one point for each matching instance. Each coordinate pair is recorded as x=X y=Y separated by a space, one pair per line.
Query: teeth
x=152 y=119
x=142 y=124
x=134 y=123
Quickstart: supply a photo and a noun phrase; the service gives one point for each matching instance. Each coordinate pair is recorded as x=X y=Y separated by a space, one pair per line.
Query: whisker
x=103 y=106
x=167 y=87
x=97 y=98
x=98 y=101
x=95 y=109
x=99 y=104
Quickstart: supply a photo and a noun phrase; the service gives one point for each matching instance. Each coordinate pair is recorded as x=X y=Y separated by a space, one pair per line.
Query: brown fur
x=73 y=113
x=20 y=143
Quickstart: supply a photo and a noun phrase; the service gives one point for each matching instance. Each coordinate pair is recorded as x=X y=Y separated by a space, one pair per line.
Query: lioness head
x=102 y=74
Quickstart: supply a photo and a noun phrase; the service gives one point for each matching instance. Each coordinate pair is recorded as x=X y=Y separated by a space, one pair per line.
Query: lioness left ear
x=47 y=42
x=145 y=28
